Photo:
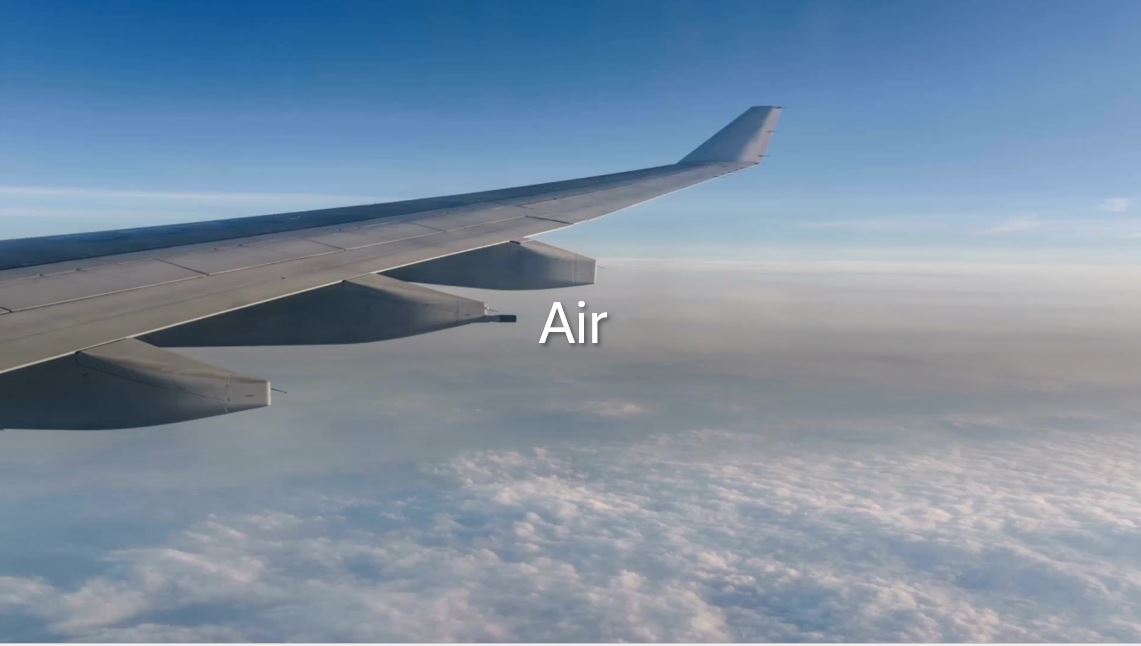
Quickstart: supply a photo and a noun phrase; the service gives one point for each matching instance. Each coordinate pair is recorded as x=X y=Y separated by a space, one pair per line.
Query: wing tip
x=745 y=139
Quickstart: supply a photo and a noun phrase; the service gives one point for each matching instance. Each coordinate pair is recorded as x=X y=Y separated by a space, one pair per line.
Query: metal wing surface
x=85 y=318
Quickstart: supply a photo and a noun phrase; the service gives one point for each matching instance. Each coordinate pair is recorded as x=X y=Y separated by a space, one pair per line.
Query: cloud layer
x=1116 y=204
x=762 y=452
x=707 y=535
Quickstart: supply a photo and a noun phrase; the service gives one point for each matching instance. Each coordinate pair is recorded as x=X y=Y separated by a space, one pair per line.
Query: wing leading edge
x=68 y=302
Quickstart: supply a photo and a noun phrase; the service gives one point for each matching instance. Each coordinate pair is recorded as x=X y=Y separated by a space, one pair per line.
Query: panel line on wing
x=182 y=267
x=40 y=334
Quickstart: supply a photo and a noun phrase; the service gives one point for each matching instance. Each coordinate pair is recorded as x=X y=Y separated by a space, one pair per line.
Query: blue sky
x=1005 y=131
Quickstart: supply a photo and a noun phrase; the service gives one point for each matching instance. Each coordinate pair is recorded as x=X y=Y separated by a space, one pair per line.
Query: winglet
x=745 y=139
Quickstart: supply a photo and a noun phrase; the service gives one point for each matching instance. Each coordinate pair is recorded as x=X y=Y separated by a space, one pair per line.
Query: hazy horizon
x=785 y=452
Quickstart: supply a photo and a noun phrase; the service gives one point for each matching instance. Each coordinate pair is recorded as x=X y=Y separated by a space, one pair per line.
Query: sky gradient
x=972 y=130
x=883 y=388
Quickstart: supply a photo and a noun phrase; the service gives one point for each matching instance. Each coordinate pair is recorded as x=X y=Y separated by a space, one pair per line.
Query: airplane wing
x=85 y=318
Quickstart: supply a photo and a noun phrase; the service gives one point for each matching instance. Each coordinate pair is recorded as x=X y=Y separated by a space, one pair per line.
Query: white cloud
x=886 y=225
x=1116 y=204
x=614 y=408
x=1019 y=224
x=706 y=536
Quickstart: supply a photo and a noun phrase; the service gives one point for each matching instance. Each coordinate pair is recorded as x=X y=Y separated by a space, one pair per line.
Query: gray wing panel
x=95 y=314
x=358 y=236
x=31 y=252
x=44 y=333
x=218 y=260
x=585 y=206
x=465 y=216
x=104 y=276
x=25 y=293
x=62 y=294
